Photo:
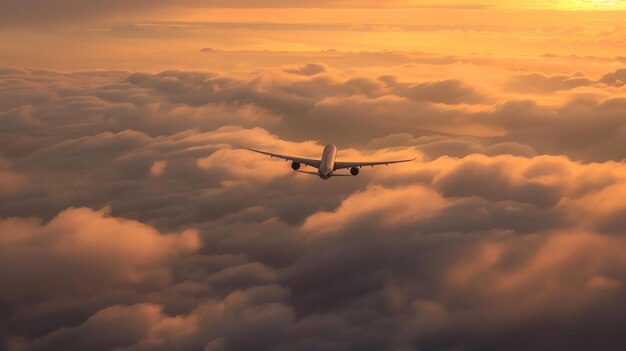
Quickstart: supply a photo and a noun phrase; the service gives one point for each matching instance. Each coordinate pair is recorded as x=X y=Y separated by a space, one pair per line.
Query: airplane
x=327 y=165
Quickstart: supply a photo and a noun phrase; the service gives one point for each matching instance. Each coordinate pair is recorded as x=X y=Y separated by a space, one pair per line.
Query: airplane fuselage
x=327 y=164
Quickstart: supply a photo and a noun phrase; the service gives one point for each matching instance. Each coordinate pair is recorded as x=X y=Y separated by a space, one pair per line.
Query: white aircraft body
x=327 y=165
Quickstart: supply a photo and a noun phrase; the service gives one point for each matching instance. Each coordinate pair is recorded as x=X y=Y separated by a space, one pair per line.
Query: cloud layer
x=131 y=219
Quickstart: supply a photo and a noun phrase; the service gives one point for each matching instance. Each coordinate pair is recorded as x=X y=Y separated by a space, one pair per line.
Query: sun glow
x=590 y=4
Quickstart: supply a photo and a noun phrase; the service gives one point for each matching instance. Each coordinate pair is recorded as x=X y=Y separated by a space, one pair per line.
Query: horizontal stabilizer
x=331 y=175
x=311 y=173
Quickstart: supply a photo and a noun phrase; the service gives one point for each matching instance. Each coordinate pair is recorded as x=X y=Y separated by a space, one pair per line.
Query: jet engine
x=295 y=165
x=354 y=171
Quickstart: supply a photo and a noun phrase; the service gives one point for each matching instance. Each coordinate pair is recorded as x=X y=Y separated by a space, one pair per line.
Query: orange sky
x=490 y=41
x=167 y=36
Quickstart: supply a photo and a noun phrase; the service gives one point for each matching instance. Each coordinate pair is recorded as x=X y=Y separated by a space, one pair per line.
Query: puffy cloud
x=435 y=146
x=485 y=275
x=447 y=91
x=539 y=83
x=310 y=69
x=505 y=180
x=78 y=261
x=617 y=78
x=390 y=208
x=157 y=168
x=125 y=326
x=452 y=116
x=251 y=318
x=87 y=240
x=508 y=226
x=10 y=181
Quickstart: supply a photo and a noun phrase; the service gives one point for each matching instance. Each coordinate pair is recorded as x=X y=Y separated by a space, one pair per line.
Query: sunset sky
x=132 y=219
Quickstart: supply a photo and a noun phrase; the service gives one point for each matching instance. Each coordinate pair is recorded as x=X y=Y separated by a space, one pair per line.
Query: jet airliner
x=327 y=165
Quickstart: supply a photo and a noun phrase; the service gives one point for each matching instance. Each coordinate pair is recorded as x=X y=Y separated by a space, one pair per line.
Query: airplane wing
x=342 y=165
x=304 y=161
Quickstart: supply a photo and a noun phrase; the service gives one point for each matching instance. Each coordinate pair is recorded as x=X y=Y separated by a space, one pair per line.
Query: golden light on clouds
x=137 y=220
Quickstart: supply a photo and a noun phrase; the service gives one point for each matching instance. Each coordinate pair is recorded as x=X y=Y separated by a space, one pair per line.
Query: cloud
x=126 y=326
x=157 y=168
x=539 y=83
x=310 y=69
x=257 y=316
x=389 y=206
x=447 y=91
x=488 y=274
x=88 y=239
x=66 y=264
x=468 y=179
x=617 y=78
x=507 y=228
